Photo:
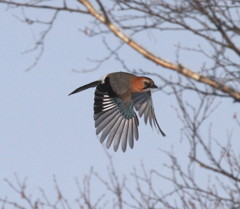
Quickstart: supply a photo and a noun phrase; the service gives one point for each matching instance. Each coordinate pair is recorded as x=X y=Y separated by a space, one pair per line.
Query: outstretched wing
x=115 y=118
x=143 y=104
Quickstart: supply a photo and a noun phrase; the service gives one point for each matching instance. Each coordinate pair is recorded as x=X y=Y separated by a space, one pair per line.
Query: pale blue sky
x=43 y=132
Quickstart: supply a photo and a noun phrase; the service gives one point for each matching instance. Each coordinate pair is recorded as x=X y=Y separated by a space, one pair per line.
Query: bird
x=118 y=96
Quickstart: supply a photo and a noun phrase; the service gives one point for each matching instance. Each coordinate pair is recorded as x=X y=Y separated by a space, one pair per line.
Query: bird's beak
x=154 y=86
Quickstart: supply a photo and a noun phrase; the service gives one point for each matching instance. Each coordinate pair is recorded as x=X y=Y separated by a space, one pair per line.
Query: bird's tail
x=90 y=85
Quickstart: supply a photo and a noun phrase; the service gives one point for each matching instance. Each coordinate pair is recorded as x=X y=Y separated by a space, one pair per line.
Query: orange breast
x=137 y=84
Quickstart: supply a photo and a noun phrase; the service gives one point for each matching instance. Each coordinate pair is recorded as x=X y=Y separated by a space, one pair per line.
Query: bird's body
x=116 y=97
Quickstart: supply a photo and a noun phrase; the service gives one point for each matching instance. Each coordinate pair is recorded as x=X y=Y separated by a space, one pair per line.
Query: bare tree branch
x=209 y=174
x=147 y=54
x=40 y=6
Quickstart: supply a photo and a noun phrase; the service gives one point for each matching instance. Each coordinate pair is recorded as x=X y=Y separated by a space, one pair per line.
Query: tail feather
x=90 y=85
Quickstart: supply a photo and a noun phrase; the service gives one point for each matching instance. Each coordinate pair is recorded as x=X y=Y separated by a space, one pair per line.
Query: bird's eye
x=147 y=84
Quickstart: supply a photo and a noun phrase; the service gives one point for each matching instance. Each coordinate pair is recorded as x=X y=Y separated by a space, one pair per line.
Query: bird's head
x=142 y=84
x=148 y=84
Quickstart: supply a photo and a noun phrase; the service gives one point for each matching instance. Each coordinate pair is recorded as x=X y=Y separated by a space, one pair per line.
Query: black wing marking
x=143 y=104
x=114 y=118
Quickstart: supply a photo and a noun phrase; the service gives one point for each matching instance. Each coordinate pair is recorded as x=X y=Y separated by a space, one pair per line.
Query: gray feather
x=113 y=132
x=109 y=127
x=130 y=133
x=118 y=135
x=125 y=134
x=104 y=121
x=143 y=104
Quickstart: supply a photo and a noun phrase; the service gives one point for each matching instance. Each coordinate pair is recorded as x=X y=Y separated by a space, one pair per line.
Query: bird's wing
x=143 y=104
x=115 y=118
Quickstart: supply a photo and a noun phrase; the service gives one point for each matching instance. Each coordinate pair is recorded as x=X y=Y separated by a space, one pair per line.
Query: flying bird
x=117 y=96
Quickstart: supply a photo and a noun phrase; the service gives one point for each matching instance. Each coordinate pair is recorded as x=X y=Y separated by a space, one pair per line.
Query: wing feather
x=125 y=135
x=130 y=133
x=119 y=134
x=114 y=118
x=143 y=104
x=113 y=132
x=109 y=127
x=135 y=129
x=105 y=120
